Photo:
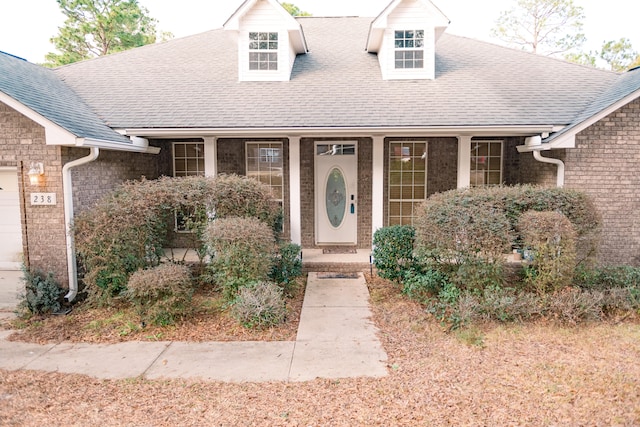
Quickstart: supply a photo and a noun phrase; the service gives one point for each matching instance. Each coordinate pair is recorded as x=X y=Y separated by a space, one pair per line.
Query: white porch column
x=210 y=156
x=464 y=161
x=377 y=184
x=295 y=207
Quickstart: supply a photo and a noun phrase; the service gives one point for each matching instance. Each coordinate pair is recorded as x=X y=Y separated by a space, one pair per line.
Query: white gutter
x=560 y=175
x=67 y=187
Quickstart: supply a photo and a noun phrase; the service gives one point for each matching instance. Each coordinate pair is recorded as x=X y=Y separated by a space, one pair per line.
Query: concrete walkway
x=336 y=339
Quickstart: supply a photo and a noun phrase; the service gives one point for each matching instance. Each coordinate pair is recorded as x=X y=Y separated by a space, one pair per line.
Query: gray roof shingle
x=41 y=90
x=192 y=82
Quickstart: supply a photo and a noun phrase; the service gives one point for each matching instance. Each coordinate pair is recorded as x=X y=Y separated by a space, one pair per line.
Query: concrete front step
x=317 y=261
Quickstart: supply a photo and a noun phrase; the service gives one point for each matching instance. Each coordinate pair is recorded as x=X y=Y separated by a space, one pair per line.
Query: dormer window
x=409 y=48
x=263 y=51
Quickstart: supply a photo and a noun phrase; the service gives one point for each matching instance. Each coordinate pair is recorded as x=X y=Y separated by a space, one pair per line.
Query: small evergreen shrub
x=422 y=286
x=41 y=294
x=162 y=294
x=607 y=277
x=241 y=250
x=551 y=237
x=287 y=266
x=393 y=250
x=259 y=305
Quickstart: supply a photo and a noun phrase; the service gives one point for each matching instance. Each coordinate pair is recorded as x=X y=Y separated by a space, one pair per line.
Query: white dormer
x=404 y=36
x=268 y=38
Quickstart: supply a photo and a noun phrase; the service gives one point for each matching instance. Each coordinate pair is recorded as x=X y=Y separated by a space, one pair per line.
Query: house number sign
x=43 y=199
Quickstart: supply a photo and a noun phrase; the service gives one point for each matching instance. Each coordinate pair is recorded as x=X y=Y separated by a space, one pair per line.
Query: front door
x=336 y=193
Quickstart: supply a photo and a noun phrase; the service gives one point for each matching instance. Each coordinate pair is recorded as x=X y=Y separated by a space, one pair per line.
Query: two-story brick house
x=352 y=121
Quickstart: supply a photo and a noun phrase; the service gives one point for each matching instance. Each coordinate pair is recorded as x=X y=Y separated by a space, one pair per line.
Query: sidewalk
x=336 y=339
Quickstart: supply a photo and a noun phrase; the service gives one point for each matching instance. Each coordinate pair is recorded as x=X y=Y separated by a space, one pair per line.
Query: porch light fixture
x=36 y=170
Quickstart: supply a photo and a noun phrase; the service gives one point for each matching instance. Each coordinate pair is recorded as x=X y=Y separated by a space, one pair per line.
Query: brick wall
x=22 y=141
x=93 y=180
x=605 y=165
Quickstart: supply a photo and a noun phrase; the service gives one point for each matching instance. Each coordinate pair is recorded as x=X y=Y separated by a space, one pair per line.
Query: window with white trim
x=407 y=180
x=486 y=163
x=264 y=163
x=409 y=49
x=188 y=160
x=263 y=51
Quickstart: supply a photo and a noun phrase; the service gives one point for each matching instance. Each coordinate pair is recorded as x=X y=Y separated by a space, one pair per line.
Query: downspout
x=560 y=175
x=67 y=188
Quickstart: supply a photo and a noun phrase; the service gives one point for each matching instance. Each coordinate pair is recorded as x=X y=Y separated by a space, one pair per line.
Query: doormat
x=338 y=275
x=332 y=251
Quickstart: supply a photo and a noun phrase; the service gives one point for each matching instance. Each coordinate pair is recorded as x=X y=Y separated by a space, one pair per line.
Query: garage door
x=10 y=227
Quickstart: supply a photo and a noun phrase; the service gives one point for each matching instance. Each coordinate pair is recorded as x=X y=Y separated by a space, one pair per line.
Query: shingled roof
x=41 y=90
x=193 y=83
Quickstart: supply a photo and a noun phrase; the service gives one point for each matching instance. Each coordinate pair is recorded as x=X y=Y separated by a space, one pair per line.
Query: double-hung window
x=263 y=51
x=409 y=48
x=264 y=163
x=407 y=180
x=188 y=160
x=486 y=163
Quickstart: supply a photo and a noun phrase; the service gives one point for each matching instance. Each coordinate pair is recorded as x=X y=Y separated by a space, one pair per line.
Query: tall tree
x=548 y=27
x=100 y=27
x=294 y=10
x=619 y=54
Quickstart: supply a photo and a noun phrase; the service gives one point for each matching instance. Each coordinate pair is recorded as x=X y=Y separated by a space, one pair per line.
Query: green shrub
x=161 y=294
x=607 y=277
x=393 y=250
x=241 y=250
x=259 y=305
x=41 y=294
x=465 y=233
x=551 y=237
x=287 y=266
x=422 y=286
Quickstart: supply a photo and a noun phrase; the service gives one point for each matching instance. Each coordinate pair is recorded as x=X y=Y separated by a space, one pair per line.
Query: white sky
x=27 y=25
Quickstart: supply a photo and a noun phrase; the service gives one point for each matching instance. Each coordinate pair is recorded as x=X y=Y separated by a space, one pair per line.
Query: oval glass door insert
x=336 y=199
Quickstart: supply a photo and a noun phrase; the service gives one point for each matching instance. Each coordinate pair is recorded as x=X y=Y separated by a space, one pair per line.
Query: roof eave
x=567 y=137
x=496 y=130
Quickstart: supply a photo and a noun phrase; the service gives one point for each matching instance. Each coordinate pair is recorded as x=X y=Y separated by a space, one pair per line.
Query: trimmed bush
x=259 y=305
x=464 y=238
x=41 y=294
x=238 y=196
x=465 y=233
x=241 y=250
x=287 y=266
x=393 y=250
x=127 y=229
x=553 y=240
x=162 y=294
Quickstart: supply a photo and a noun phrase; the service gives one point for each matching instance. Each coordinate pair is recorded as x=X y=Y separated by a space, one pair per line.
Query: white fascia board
x=54 y=133
x=435 y=131
x=115 y=146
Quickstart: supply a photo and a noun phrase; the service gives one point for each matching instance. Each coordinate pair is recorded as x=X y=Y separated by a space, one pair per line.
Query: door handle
x=352 y=208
